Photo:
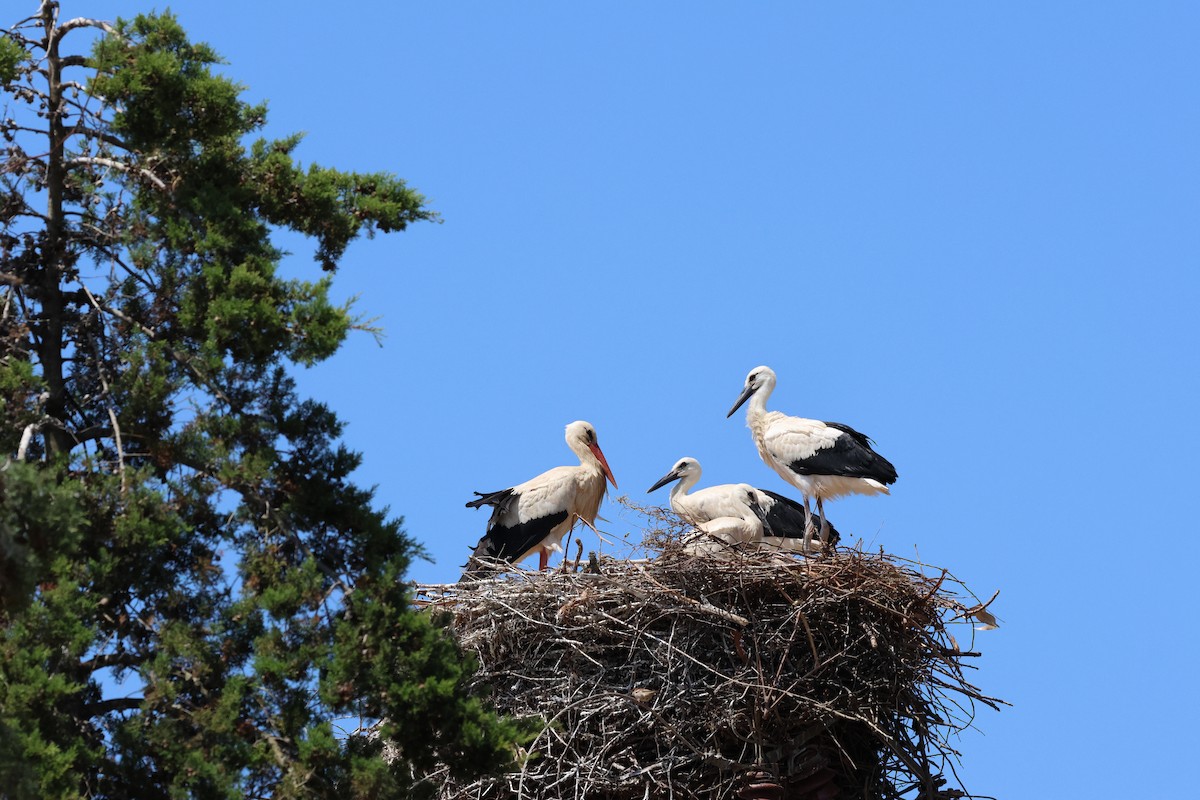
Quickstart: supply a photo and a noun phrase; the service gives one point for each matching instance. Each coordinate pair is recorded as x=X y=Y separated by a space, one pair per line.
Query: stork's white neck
x=758 y=401
x=586 y=457
x=684 y=485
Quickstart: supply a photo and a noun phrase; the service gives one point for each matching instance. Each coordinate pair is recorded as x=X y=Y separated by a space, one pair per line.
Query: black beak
x=758 y=512
x=743 y=397
x=664 y=480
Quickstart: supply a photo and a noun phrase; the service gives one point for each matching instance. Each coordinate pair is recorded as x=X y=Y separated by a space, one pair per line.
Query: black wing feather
x=500 y=499
x=849 y=456
x=786 y=519
x=508 y=542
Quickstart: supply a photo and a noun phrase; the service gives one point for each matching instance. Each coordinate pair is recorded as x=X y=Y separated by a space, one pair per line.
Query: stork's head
x=749 y=496
x=581 y=438
x=686 y=470
x=758 y=378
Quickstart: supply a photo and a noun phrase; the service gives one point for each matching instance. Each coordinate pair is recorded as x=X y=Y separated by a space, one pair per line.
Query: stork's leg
x=808 y=524
x=543 y=559
x=824 y=522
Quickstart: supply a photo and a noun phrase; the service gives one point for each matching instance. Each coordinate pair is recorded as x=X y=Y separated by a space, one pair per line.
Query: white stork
x=717 y=536
x=781 y=518
x=823 y=460
x=535 y=515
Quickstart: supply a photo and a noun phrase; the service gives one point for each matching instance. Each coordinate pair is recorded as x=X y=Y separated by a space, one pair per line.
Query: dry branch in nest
x=757 y=676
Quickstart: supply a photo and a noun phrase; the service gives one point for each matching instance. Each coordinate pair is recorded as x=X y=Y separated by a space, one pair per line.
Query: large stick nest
x=757 y=676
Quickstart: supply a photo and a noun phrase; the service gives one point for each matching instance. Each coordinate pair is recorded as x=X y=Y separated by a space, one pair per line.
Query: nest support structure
x=756 y=676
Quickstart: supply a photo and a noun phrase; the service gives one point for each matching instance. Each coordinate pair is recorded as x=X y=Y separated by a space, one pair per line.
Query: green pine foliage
x=195 y=598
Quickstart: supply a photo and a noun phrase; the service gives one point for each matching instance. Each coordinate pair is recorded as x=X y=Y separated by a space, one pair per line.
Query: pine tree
x=192 y=589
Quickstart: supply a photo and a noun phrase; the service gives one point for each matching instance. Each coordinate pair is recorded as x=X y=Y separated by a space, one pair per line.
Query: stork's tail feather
x=490 y=498
x=475 y=570
x=483 y=561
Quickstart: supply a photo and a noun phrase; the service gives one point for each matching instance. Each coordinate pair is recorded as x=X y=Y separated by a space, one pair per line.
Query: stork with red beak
x=823 y=460
x=534 y=516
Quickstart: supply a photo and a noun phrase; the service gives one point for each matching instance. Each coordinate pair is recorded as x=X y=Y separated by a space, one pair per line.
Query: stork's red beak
x=595 y=448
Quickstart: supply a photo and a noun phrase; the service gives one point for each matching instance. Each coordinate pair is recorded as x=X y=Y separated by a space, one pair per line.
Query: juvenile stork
x=823 y=460
x=535 y=515
x=781 y=518
x=717 y=536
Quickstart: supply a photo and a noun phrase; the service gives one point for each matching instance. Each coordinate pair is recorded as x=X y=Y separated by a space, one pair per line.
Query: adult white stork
x=535 y=515
x=781 y=518
x=823 y=460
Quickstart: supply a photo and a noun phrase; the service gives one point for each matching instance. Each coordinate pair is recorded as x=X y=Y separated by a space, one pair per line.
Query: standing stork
x=823 y=460
x=781 y=518
x=535 y=515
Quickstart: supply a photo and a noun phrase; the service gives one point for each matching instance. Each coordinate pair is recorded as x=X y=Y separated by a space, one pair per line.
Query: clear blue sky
x=968 y=229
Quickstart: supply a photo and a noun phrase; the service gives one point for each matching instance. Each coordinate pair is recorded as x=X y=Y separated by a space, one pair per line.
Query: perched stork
x=535 y=515
x=716 y=536
x=823 y=460
x=782 y=517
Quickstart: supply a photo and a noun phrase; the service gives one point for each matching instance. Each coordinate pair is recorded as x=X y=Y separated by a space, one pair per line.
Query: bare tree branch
x=114 y=704
x=107 y=138
x=119 y=166
x=84 y=22
x=26 y=438
x=122 y=659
